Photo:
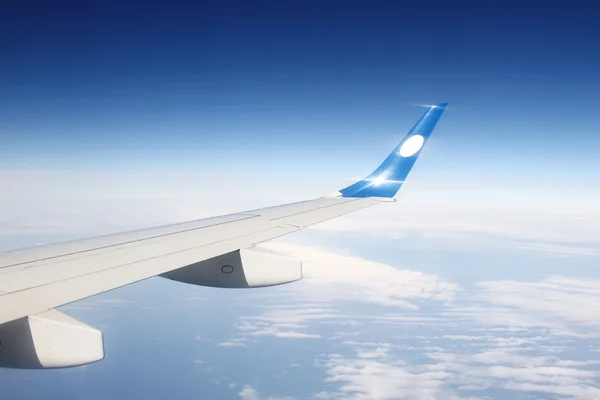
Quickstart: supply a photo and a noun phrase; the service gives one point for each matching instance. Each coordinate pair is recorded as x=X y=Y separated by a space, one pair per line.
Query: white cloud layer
x=88 y=202
x=505 y=335
x=330 y=276
x=448 y=375
x=566 y=306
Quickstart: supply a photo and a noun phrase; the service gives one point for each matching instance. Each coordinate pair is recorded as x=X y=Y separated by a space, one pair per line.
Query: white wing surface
x=211 y=252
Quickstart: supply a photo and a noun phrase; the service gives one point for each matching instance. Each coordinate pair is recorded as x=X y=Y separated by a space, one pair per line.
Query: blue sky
x=480 y=282
x=112 y=85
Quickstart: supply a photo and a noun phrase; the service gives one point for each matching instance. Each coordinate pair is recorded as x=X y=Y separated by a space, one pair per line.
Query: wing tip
x=387 y=180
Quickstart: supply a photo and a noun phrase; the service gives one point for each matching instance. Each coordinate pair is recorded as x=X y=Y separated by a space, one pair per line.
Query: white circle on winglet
x=411 y=145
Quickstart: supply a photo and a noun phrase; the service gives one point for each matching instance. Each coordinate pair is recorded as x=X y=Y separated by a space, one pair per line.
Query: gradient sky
x=481 y=282
x=117 y=85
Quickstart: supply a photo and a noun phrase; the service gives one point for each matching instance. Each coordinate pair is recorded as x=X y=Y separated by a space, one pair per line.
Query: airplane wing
x=216 y=251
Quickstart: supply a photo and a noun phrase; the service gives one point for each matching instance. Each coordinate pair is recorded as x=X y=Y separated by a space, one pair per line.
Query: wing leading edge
x=36 y=280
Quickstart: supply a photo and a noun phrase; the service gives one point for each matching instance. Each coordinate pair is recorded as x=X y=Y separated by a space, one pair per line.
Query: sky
x=479 y=282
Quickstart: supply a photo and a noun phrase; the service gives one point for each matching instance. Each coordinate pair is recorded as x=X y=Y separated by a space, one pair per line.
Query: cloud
x=468 y=210
x=329 y=276
x=365 y=379
x=232 y=344
x=455 y=342
x=446 y=375
x=462 y=337
x=379 y=352
x=284 y=323
x=237 y=342
x=529 y=362
x=288 y=334
x=502 y=368
x=565 y=306
x=88 y=202
x=562 y=250
x=249 y=393
x=574 y=391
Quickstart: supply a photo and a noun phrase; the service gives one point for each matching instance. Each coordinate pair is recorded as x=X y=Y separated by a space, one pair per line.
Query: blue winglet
x=386 y=180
